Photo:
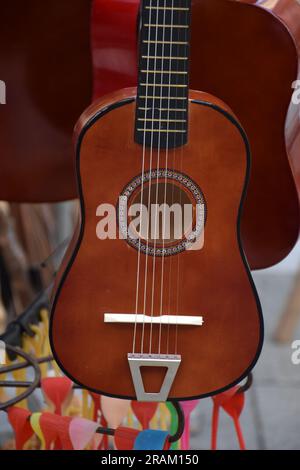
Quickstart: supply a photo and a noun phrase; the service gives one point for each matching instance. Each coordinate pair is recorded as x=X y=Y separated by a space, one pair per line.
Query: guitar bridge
x=179 y=320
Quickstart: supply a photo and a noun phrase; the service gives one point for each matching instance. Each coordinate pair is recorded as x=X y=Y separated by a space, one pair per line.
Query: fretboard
x=162 y=97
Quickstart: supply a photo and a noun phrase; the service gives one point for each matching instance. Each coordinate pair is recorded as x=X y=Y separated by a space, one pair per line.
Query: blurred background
x=271 y=418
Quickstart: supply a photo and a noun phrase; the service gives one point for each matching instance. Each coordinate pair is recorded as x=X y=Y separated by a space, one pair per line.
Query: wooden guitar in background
x=247 y=54
x=151 y=311
x=45 y=62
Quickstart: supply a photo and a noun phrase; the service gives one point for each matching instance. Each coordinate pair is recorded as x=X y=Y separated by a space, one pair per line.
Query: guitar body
x=99 y=276
x=247 y=54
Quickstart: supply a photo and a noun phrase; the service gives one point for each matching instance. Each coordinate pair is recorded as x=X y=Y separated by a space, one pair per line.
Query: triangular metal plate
x=136 y=361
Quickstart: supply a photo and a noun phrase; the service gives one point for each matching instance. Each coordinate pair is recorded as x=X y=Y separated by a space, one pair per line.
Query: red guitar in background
x=45 y=62
x=246 y=53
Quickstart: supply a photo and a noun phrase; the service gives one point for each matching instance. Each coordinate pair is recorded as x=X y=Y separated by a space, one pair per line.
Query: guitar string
x=169 y=309
x=187 y=40
x=143 y=172
x=165 y=188
x=157 y=180
x=150 y=171
x=171 y=261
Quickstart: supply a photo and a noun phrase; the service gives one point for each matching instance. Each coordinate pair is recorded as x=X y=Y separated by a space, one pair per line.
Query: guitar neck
x=162 y=96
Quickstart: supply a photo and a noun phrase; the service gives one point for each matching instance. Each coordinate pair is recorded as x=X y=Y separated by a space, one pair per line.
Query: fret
x=164 y=97
x=162 y=85
x=173 y=72
x=163 y=57
x=175 y=110
x=167 y=8
x=176 y=43
x=174 y=26
x=166 y=85
x=161 y=120
x=162 y=94
x=167 y=3
x=163 y=130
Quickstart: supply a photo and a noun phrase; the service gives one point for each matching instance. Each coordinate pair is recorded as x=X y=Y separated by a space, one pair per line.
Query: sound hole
x=166 y=215
x=171 y=217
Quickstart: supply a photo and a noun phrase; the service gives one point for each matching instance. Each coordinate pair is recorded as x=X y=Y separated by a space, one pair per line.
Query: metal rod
x=22 y=365
x=106 y=431
x=33 y=384
x=244 y=388
x=181 y=422
x=174 y=438
x=19 y=384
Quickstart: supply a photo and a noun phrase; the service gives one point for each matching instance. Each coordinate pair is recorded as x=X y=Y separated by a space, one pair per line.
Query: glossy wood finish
x=45 y=60
x=114 y=45
x=100 y=276
x=246 y=53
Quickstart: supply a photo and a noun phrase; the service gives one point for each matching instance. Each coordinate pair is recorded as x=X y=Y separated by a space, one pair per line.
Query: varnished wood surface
x=213 y=282
x=253 y=70
x=45 y=61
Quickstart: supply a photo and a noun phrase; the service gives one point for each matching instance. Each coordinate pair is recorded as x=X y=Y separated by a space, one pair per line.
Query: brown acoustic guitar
x=155 y=300
x=246 y=53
